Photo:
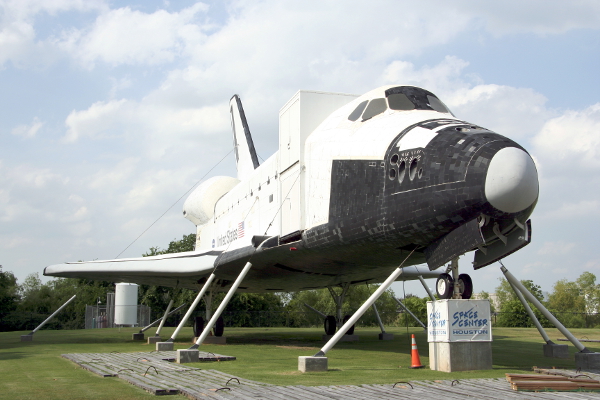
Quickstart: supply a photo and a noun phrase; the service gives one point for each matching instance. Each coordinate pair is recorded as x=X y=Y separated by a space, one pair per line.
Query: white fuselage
x=291 y=190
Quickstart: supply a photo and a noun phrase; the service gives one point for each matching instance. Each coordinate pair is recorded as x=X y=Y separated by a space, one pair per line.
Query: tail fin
x=245 y=154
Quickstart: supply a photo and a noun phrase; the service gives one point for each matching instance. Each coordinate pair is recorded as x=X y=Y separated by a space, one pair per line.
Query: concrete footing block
x=137 y=336
x=188 y=356
x=556 y=350
x=587 y=361
x=312 y=364
x=26 y=338
x=345 y=338
x=460 y=356
x=164 y=346
x=213 y=340
x=154 y=339
x=386 y=336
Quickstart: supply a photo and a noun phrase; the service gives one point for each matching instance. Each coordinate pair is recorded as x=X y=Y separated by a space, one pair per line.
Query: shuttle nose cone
x=511 y=183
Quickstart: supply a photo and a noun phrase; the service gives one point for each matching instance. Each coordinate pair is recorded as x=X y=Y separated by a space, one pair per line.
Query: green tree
x=512 y=312
x=590 y=291
x=568 y=304
x=158 y=297
x=416 y=305
x=9 y=296
x=486 y=296
x=505 y=293
x=320 y=299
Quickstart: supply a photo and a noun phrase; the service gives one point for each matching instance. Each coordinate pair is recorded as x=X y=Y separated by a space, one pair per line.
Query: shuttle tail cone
x=414 y=352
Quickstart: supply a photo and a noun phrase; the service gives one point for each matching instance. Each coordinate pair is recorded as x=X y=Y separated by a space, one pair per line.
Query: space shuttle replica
x=359 y=185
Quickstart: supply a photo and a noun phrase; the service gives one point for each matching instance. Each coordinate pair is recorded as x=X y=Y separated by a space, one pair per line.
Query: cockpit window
x=375 y=107
x=437 y=105
x=420 y=98
x=357 y=111
x=399 y=101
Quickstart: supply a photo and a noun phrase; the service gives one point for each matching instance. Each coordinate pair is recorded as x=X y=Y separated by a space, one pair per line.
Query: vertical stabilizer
x=245 y=154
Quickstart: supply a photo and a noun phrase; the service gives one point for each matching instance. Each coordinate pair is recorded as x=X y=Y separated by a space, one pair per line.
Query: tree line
x=574 y=303
x=24 y=305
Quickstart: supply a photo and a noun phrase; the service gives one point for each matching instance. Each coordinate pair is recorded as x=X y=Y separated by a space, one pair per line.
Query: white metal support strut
x=164 y=318
x=359 y=313
x=222 y=306
x=514 y=281
x=378 y=319
x=410 y=312
x=144 y=329
x=192 y=307
x=531 y=314
x=53 y=314
x=431 y=296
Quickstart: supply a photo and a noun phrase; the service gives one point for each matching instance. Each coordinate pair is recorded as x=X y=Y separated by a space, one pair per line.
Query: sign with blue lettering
x=459 y=321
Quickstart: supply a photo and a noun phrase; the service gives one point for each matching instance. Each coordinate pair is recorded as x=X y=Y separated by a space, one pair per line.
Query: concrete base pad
x=587 y=361
x=213 y=340
x=164 y=346
x=312 y=364
x=345 y=338
x=26 y=338
x=137 y=336
x=154 y=339
x=460 y=356
x=187 y=356
x=556 y=350
x=386 y=336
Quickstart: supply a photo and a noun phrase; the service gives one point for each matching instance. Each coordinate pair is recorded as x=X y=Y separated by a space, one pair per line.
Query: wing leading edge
x=179 y=269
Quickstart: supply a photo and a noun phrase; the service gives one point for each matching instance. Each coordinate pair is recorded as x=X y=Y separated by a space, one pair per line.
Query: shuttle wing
x=163 y=270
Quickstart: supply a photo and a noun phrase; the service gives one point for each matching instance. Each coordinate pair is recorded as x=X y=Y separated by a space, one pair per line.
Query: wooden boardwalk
x=154 y=373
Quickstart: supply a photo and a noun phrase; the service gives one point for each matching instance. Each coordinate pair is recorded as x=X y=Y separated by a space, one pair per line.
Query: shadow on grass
x=13 y=355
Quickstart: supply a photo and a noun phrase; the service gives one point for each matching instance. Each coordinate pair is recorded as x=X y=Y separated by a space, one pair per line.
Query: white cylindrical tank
x=126 y=295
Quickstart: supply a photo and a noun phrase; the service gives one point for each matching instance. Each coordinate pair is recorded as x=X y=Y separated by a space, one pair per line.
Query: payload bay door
x=298 y=118
x=291 y=215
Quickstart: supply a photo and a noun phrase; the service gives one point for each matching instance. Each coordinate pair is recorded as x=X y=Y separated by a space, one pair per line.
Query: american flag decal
x=241 y=230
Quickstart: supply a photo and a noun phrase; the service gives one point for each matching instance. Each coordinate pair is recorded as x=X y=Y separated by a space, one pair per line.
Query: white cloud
x=576 y=208
x=153 y=127
x=442 y=79
x=556 y=248
x=573 y=137
x=97 y=120
x=18 y=42
x=517 y=113
x=126 y=36
x=541 y=17
x=28 y=131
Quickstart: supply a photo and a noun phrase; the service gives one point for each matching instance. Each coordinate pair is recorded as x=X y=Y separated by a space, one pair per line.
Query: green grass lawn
x=35 y=370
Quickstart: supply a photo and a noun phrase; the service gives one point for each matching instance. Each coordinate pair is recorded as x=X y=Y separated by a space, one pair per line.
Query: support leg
x=529 y=311
x=339 y=301
x=162 y=323
x=551 y=349
x=411 y=314
x=168 y=345
x=28 y=338
x=359 y=313
x=144 y=329
x=544 y=311
x=383 y=335
x=431 y=296
x=454 y=267
x=222 y=306
x=315 y=310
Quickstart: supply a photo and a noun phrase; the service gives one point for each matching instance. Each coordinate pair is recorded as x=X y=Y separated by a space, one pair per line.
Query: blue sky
x=110 y=111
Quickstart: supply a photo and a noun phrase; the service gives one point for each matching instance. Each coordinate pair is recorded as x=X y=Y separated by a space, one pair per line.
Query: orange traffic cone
x=414 y=352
